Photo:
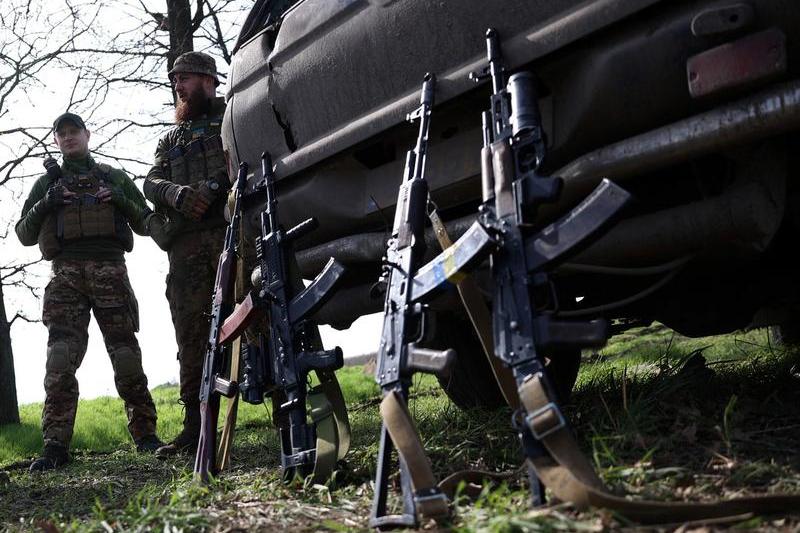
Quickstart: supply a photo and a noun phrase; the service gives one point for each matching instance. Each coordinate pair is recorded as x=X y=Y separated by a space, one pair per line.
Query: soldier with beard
x=188 y=185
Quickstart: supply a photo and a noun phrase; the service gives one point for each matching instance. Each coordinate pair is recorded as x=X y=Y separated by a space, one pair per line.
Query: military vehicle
x=692 y=106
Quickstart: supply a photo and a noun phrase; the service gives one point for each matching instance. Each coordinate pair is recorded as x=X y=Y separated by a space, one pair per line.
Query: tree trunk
x=179 y=18
x=9 y=410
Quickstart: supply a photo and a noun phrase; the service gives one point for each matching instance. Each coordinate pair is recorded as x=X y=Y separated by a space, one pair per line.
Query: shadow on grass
x=76 y=490
x=725 y=425
x=731 y=420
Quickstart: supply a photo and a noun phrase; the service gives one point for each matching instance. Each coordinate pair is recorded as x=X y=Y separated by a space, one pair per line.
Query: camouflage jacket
x=160 y=182
x=126 y=199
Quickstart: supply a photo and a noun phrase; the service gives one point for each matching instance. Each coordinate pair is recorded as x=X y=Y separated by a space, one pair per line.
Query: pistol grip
x=430 y=361
x=322 y=360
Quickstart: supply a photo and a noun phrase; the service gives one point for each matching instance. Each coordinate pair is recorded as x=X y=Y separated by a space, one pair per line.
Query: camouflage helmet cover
x=195 y=63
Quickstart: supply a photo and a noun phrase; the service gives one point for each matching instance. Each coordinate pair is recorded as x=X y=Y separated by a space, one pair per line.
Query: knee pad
x=126 y=362
x=58 y=357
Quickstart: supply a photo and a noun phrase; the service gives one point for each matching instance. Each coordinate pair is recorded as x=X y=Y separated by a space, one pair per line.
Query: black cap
x=72 y=117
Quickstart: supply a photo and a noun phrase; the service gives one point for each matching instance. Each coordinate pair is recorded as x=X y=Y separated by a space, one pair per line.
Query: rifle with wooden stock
x=213 y=384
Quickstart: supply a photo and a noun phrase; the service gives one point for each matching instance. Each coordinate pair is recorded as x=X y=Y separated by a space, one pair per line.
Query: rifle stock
x=213 y=384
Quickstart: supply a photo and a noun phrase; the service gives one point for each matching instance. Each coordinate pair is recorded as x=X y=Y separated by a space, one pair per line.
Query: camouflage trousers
x=102 y=287
x=190 y=283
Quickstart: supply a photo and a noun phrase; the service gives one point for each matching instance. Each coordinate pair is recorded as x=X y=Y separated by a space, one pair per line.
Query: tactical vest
x=199 y=157
x=86 y=217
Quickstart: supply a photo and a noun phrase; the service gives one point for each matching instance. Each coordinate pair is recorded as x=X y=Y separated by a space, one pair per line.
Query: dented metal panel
x=342 y=71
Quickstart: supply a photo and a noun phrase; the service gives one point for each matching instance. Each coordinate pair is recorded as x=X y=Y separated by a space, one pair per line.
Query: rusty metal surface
x=757 y=57
x=769 y=112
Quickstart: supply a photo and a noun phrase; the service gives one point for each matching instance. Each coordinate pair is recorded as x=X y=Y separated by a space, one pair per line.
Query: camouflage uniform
x=90 y=274
x=190 y=156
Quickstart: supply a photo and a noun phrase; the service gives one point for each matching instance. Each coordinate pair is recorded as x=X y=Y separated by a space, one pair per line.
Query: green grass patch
x=662 y=417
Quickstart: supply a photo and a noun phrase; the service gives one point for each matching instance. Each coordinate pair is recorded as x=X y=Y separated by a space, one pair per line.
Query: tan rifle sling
x=479 y=316
x=567 y=472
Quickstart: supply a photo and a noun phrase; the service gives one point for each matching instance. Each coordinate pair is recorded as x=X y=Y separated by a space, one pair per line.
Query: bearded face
x=192 y=103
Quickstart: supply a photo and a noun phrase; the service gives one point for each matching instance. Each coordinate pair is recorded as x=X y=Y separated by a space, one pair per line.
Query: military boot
x=186 y=441
x=52 y=457
x=148 y=444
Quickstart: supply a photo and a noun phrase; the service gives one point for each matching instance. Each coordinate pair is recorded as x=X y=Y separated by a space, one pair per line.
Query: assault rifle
x=404 y=324
x=525 y=313
x=213 y=384
x=523 y=306
x=279 y=363
x=516 y=261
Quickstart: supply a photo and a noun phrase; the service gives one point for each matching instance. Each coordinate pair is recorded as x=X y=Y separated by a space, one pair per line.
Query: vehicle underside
x=691 y=106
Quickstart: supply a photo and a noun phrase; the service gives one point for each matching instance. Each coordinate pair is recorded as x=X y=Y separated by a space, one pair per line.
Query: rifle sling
x=327 y=436
x=572 y=479
x=329 y=384
x=480 y=317
x=567 y=472
x=405 y=437
x=329 y=414
x=229 y=426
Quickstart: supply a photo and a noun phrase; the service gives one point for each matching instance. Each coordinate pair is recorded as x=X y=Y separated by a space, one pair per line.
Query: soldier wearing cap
x=81 y=214
x=188 y=185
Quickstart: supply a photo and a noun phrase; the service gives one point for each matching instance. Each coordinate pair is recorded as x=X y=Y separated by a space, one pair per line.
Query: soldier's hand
x=57 y=196
x=109 y=194
x=191 y=203
x=103 y=194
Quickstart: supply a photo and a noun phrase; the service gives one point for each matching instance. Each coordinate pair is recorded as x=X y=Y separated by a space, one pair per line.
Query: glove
x=192 y=203
x=156 y=225
x=57 y=196
x=209 y=190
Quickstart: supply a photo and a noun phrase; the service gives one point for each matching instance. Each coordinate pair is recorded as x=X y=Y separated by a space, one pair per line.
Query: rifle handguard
x=438 y=362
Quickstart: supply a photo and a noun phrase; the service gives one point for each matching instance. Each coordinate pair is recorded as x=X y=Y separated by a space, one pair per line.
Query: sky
x=147 y=264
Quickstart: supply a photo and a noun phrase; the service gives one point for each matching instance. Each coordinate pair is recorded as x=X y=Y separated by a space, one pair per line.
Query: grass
x=662 y=417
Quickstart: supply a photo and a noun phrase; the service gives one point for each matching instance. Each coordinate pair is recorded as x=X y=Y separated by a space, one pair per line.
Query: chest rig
x=86 y=216
x=199 y=156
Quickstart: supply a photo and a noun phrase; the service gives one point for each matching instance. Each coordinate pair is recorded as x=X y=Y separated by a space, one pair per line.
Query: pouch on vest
x=97 y=220
x=49 y=245
x=177 y=166
x=86 y=216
